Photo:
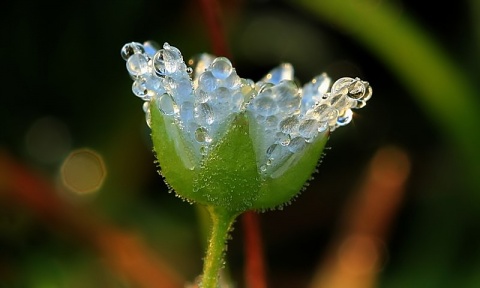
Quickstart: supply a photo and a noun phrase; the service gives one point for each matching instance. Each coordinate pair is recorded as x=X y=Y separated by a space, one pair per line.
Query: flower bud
x=225 y=141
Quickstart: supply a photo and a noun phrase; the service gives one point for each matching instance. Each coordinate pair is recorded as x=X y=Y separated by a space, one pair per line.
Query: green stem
x=222 y=221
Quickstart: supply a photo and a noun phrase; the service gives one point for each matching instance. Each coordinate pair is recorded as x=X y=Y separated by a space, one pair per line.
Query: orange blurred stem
x=255 y=276
x=122 y=251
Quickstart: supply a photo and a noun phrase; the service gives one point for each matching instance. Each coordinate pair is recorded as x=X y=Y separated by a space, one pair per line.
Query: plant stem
x=222 y=220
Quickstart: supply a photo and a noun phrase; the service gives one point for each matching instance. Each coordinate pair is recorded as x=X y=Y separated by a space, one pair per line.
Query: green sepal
x=297 y=171
x=228 y=176
x=174 y=154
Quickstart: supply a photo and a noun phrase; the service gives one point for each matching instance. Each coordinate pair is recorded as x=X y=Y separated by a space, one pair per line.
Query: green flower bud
x=224 y=141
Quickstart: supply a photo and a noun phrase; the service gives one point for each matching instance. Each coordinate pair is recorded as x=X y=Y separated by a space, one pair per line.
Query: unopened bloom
x=222 y=140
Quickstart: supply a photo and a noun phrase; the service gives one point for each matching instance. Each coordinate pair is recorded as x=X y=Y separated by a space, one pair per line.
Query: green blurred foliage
x=63 y=61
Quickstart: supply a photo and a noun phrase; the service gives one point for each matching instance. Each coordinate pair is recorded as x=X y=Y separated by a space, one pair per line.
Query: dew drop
x=263 y=168
x=323 y=127
x=273 y=151
x=237 y=101
x=308 y=129
x=204 y=113
x=222 y=94
x=207 y=81
x=221 y=68
x=296 y=144
x=171 y=54
x=189 y=70
x=287 y=96
x=201 y=135
x=232 y=81
x=146 y=109
x=186 y=112
x=289 y=124
x=139 y=88
x=137 y=65
x=264 y=105
x=282 y=138
x=166 y=104
x=344 y=119
x=201 y=96
x=130 y=49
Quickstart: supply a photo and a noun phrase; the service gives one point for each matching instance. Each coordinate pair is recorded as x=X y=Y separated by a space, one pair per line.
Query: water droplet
x=287 y=97
x=207 y=81
x=264 y=105
x=186 y=112
x=160 y=65
x=232 y=81
x=201 y=135
x=323 y=127
x=265 y=88
x=263 y=168
x=146 y=109
x=130 y=49
x=359 y=104
x=296 y=144
x=139 y=88
x=355 y=87
x=274 y=152
x=204 y=113
x=171 y=54
x=222 y=94
x=237 y=101
x=289 y=124
x=340 y=101
x=137 y=65
x=271 y=122
x=282 y=138
x=344 y=119
x=221 y=68
x=189 y=70
x=201 y=96
x=183 y=89
x=308 y=129
x=166 y=104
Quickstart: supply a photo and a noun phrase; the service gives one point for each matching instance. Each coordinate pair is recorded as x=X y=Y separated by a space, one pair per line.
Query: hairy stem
x=222 y=221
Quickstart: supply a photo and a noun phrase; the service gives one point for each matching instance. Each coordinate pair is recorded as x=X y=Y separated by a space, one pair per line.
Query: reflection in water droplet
x=201 y=135
x=131 y=48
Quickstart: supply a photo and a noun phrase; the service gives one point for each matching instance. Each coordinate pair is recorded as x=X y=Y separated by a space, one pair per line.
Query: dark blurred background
x=393 y=190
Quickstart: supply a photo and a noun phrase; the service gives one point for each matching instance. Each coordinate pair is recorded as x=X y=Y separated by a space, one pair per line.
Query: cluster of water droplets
x=204 y=97
x=287 y=117
x=201 y=99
